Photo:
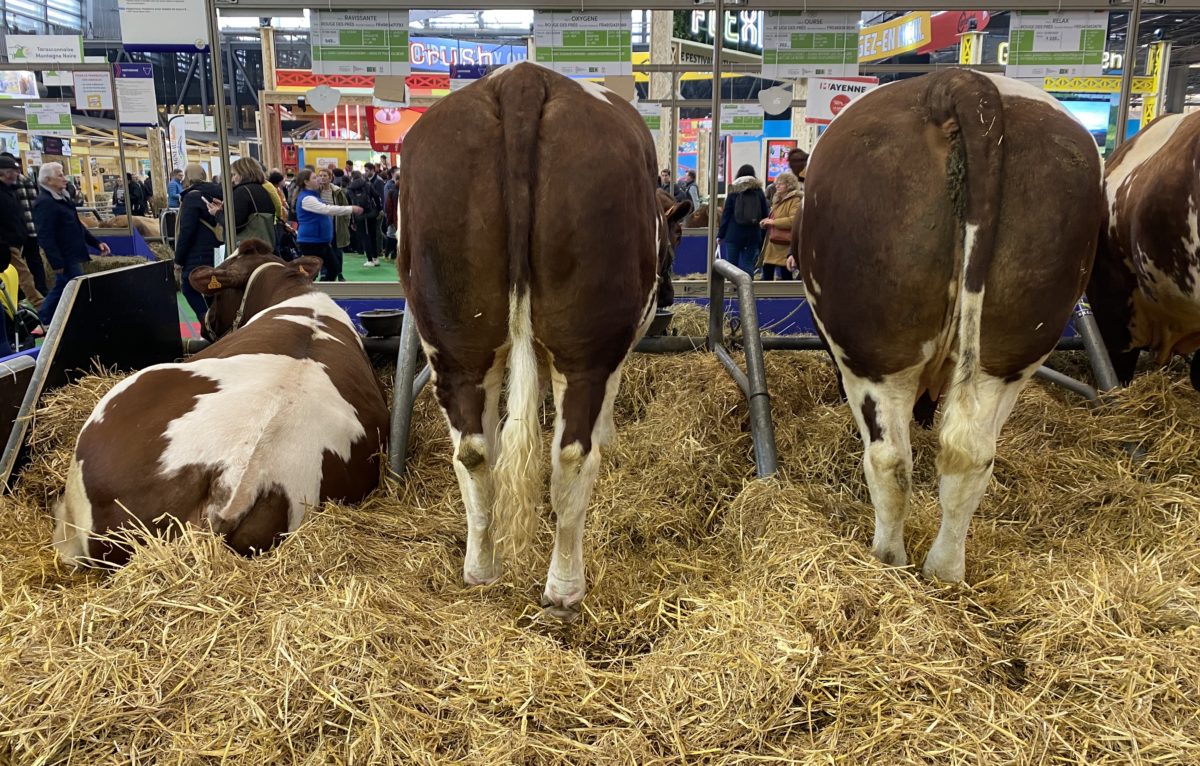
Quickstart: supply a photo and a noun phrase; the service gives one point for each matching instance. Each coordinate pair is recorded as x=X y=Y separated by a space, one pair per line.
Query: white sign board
x=57 y=78
x=200 y=123
x=741 y=119
x=33 y=158
x=651 y=115
x=359 y=42
x=177 y=139
x=49 y=119
x=594 y=44
x=135 y=94
x=93 y=90
x=1045 y=44
x=44 y=49
x=163 y=25
x=827 y=98
x=818 y=44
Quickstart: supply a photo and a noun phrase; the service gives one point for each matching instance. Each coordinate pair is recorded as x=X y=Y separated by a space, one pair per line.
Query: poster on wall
x=163 y=25
x=52 y=118
x=136 y=99
x=652 y=116
x=828 y=97
x=798 y=44
x=54 y=145
x=18 y=85
x=777 y=155
x=387 y=127
x=44 y=49
x=359 y=42
x=8 y=142
x=93 y=90
x=1045 y=44
x=593 y=44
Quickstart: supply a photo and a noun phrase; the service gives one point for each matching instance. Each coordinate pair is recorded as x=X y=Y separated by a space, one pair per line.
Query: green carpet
x=354 y=271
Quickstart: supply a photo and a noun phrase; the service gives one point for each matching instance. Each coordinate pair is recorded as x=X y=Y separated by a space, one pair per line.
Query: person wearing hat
x=64 y=237
x=12 y=239
x=28 y=263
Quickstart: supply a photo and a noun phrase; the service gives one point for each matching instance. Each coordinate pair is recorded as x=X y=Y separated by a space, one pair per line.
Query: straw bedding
x=729 y=620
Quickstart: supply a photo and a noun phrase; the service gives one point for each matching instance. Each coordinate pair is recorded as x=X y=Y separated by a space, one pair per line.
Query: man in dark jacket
x=64 y=238
x=361 y=193
x=31 y=258
x=374 y=175
x=12 y=239
x=197 y=233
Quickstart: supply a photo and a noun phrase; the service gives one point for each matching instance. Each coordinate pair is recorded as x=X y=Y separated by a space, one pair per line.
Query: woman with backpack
x=745 y=208
x=254 y=209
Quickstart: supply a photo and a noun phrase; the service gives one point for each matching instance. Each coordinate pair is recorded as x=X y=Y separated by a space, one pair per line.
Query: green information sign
x=356 y=42
x=741 y=120
x=49 y=119
x=1044 y=44
x=798 y=44
x=598 y=44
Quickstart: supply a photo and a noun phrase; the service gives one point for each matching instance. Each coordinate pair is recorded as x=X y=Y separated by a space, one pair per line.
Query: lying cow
x=560 y=252
x=1145 y=288
x=949 y=226
x=282 y=413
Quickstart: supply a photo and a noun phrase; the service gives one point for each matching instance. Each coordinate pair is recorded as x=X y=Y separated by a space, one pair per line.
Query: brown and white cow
x=949 y=227
x=1145 y=288
x=282 y=413
x=556 y=252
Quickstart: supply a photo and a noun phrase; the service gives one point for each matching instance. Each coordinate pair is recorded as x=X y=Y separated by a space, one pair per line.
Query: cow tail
x=967 y=107
x=521 y=93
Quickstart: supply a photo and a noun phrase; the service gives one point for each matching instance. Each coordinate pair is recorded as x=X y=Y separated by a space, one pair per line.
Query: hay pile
x=730 y=620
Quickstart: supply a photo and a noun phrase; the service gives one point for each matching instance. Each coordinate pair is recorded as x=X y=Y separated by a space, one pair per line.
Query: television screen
x=1093 y=113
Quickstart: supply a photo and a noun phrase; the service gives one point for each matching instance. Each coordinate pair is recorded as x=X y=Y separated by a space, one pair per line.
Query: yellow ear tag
x=213 y=284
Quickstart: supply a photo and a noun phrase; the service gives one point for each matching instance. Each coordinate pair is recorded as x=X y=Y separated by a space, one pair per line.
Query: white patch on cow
x=1012 y=88
x=960 y=490
x=1145 y=145
x=501 y=71
x=310 y=322
x=595 y=90
x=1191 y=241
x=73 y=519
x=658 y=219
x=269 y=424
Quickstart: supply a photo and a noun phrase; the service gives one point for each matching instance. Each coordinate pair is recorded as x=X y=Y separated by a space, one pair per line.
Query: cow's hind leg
x=883 y=411
x=975 y=413
x=580 y=400
x=471 y=404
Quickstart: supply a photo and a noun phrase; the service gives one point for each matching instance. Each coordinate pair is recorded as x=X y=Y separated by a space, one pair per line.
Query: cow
x=281 y=413
x=949 y=226
x=556 y=253
x=674 y=213
x=1145 y=288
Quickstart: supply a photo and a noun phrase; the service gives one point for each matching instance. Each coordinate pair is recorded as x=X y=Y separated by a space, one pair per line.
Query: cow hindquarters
x=976 y=410
x=883 y=412
x=73 y=520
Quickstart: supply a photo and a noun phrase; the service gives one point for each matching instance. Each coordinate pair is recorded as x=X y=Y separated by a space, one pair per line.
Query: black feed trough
x=662 y=320
x=381 y=323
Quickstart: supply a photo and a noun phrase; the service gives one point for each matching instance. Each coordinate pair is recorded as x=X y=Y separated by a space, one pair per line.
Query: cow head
x=225 y=287
x=673 y=217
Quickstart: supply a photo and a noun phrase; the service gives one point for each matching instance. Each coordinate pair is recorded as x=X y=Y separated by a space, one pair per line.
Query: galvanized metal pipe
x=1057 y=378
x=735 y=372
x=1093 y=343
x=404 y=392
x=1131 y=34
x=214 y=52
x=716 y=286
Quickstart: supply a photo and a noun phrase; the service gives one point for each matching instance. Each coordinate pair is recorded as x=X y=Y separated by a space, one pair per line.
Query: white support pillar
x=662 y=52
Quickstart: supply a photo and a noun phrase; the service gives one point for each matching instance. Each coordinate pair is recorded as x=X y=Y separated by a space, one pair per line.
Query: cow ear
x=309 y=266
x=209 y=281
x=679 y=211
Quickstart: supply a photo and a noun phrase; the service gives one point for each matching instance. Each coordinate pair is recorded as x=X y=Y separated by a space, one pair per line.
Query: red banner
x=387 y=127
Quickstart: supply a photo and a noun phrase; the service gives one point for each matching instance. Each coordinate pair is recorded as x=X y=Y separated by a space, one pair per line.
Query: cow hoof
x=892 y=556
x=563 y=606
x=946 y=571
x=479 y=578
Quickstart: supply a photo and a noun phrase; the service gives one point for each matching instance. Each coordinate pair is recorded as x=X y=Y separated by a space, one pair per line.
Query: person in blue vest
x=316 y=217
x=61 y=234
